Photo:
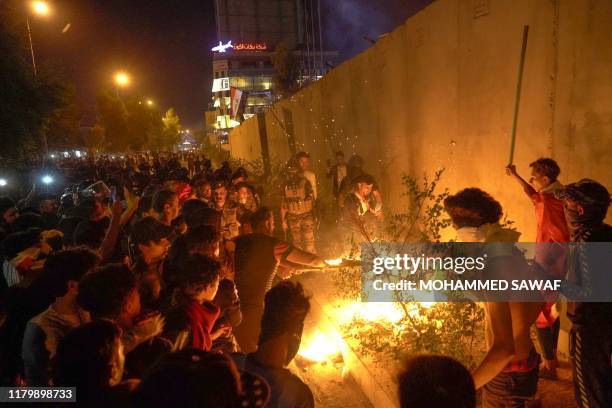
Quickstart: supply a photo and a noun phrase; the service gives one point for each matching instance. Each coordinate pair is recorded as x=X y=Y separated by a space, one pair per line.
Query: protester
x=63 y=271
x=8 y=215
x=361 y=214
x=191 y=379
x=190 y=322
x=248 y=202
x=111 y=292
x=203 y=191
x=550 y=241
x=166 y=206
x=508 y=373
x=48 y=206
x=430 y=381
x=205 y=240
x=259 y=259
x=282 y=324
x=337 y=172
x=149 y=244
x=91 y=358
x=586 y=204
x=303 y=160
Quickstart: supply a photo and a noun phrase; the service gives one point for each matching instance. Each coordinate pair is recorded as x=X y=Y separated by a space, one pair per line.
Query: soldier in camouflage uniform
x=229 y=221
x=297 y=209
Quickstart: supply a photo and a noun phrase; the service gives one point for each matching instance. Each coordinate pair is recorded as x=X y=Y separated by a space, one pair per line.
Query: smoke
x=349 y=25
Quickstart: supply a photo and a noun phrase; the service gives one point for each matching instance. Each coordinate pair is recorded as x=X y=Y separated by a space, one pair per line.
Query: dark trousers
x=548 y=338
x=591 y=351
x=511 y=390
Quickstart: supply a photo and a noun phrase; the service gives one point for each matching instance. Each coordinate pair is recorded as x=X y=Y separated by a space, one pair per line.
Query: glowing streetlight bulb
x=41 y=8
x=3 y=182
x=47 y=179
x=149 y=102
x=122 y=79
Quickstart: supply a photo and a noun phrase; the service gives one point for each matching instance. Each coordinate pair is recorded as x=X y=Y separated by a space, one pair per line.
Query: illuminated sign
x=221 y=84
x=222 y=47
x=251 y=46
x=240 y=47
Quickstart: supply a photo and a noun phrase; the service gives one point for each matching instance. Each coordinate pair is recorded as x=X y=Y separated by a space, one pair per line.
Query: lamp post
x=38 y=8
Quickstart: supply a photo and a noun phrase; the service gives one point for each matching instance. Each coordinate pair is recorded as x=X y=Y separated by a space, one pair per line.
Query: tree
x=92 y=138
x=29 y=106
x=112 y=116
x=144 y=125
x=62 y=127
x=286 y=70
x=170 y=135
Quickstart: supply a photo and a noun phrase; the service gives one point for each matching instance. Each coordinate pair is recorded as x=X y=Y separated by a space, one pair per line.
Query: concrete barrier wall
x=439 y=92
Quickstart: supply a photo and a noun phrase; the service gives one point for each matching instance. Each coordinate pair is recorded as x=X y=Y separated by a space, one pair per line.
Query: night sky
x=165 y=44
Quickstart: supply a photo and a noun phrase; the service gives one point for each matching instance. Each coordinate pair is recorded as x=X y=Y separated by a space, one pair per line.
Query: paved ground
x=559 y=393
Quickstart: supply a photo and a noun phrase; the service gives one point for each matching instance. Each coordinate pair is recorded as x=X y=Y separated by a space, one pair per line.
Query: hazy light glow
x=3 y=182
x=149 y=102
x=321 y=346
x=41 y=8
x=122 y=79
x=47 y=179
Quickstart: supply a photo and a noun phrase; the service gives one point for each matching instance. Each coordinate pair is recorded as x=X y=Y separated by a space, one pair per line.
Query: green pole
x=517 y=100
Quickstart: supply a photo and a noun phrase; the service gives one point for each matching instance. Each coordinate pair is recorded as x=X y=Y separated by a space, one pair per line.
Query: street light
x=41 y=8
x=149 y=102
x=122 y=79
x=3 y=182
x=38 y=8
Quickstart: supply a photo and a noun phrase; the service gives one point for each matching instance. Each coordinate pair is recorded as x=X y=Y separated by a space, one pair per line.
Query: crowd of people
x=159 y=280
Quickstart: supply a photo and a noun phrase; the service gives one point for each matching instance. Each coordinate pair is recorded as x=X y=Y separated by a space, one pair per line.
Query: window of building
x=248 y=64
x=262 y=83
x=245 y=83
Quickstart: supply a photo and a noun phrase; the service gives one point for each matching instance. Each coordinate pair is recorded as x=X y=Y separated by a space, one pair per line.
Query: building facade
x=248 y=32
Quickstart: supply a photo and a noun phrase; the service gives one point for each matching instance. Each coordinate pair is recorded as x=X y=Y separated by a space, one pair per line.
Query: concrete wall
x=439 y=92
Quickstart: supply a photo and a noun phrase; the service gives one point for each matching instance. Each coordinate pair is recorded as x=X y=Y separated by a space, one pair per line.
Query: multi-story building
x=248 y=32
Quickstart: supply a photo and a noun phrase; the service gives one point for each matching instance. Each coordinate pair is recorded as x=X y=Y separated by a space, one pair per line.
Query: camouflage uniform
x=229 y=221
x=298 y=201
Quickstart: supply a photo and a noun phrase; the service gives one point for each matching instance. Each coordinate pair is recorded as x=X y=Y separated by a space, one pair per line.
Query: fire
x=321 y=346
x=334 y=262
x=391 y=312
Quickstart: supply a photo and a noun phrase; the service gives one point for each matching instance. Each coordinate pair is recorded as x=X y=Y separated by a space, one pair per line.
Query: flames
x=325 y=344
x=392 y=312
x=334 y=262
x=322 y=346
